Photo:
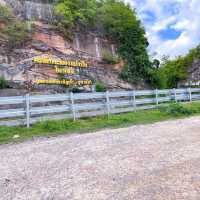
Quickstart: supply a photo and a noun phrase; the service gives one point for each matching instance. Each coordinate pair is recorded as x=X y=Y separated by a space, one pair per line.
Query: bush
x=5 y=14
x=177 y=109
x=194 y=107
x=100 y=87
x=15 y=31
x=50 y=126
x=3 y=83
x=158 y=78
x=75 y=90
x=108 y=58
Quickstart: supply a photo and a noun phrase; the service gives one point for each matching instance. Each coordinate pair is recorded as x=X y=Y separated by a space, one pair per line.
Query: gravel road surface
x=147 y=162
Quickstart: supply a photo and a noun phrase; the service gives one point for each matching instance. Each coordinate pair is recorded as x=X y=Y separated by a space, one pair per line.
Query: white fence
x=29 y=109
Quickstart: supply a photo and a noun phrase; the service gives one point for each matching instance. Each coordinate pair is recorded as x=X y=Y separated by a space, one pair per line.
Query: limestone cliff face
x=46 y=41
x=31 y=9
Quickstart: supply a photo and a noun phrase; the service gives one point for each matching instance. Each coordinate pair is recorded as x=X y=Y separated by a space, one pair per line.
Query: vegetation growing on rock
x=117 y=21
x=76 y=12
x=3 y=83
x=100 y=87
x=14 y=31
x=108 y=57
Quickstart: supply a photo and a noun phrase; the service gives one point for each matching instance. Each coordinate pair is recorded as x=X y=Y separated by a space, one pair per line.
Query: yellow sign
x=65 y=82
x=60 y=70
x=71 y=63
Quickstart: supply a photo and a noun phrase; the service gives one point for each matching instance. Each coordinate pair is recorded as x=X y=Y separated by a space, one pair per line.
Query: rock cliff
x=45 y=40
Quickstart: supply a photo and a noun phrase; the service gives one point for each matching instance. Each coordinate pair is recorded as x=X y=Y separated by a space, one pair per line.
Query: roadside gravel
x=147 y=162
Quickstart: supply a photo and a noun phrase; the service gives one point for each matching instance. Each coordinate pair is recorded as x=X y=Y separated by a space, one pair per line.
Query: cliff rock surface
x=45 y=40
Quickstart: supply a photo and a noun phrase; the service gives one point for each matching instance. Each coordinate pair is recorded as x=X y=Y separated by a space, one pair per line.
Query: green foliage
x=100 y=87
x=158 y=78
x=176 y=109
x=16 y=33
x=156 y=63
x=116 y=17
x=3 y=83
x=5 y=14
x=117 y=21
x=108 y=58
x=75 y=90
x=193 y=107
x=121 y=24
x=173 y=71
x=76 y=12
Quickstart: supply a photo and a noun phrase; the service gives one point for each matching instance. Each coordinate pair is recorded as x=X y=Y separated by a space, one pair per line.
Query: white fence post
x=190 y=94
x=157 y=100
x=27 y=100
x=108 y=102
x=175 y=97
x=134 y=100
x=72 y=106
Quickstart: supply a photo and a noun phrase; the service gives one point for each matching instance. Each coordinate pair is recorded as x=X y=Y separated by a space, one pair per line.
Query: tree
x=121 y=24
x=76 y=12
x=172 y=71
x=156 y=63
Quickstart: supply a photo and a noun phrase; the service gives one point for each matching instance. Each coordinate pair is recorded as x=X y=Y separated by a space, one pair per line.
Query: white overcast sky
x=172 y=26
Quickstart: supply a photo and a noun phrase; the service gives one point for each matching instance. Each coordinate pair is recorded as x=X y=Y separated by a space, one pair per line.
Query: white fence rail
x=29 y=109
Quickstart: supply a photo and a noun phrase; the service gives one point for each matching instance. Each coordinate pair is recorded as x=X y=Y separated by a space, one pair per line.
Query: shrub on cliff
x=5 y=14
x=100 y=87
x=15 y=31
x=109 y=58
x=3 y=83
x=73 y=12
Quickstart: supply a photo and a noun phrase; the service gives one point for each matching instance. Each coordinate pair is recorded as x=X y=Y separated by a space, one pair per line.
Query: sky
x=172 y=26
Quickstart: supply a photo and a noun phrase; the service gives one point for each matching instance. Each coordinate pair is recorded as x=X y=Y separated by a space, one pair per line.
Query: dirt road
x=147 y=162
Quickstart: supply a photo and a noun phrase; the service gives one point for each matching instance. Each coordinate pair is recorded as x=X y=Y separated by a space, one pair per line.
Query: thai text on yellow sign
x=65 y=82
x=71 y=63
x=60 y=70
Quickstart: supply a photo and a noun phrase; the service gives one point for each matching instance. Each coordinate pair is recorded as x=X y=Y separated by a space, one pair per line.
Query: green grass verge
x=54 y=128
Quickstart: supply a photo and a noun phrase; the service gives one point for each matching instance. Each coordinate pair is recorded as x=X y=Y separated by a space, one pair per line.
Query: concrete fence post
x=190 y=94
x=108 y=102
x=134 y=100
x=27 y=100
x=175 y=95
x=73 y=106
x=157 y=100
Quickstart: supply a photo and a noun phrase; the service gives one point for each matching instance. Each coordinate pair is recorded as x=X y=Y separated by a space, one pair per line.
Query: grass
x=54 y=128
